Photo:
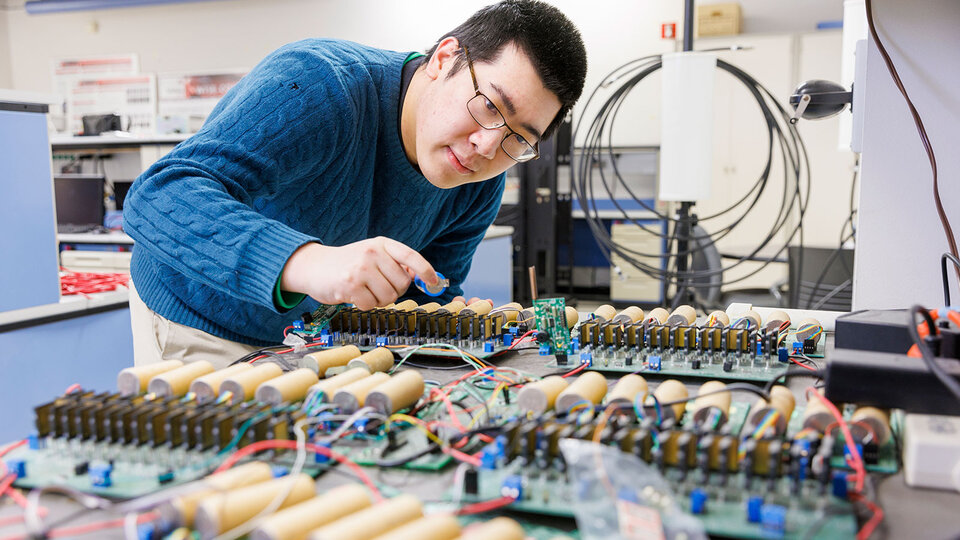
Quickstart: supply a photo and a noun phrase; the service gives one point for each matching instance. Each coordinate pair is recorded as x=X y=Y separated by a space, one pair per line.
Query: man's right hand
x=368 y=273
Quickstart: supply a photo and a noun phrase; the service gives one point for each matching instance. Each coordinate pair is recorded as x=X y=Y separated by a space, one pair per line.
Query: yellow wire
x=490 y=402
x=419 y=424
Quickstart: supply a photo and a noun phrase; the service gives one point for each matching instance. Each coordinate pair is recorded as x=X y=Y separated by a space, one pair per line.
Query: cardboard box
x=718 y=19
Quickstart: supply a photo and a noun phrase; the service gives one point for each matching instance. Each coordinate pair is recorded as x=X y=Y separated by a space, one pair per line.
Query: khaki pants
x=156 y=338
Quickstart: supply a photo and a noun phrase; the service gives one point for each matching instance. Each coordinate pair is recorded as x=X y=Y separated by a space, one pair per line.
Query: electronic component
x=401 y=391
x=242 y=386
x=182 y=510
x=711 y=400
x=336 y=357
x=379 y=359
x=551 y=317
x=134 y=380
x=931 y=451
x=207 y=387
x=292 y=386
x=223 y=511
x=500 y=528
x=631 y=388
x=176 y=382
x=668 y=391
x=589 y=389
x=296 y=521
x=372 y=521
x=352 y=396
x=540 y=396
x=781 y=401
x=433 y=527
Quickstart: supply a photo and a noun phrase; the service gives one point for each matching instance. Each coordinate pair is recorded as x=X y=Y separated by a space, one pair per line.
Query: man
x=334 y=172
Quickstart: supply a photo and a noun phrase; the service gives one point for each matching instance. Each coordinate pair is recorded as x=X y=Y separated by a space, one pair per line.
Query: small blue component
x=490 y=455
x=698 y=501
x=575 y=346
x=773 y=520
x=18 y=467
x=361 y=424
x=754 y=505
x=783 y=355
x=487 y=346
x=100 y=475
x=501 y=444
x=840 y=486
x=277 y=471
x=382 y=341
x=586 y=357
x=545 y=349
x=759 y=348
x=653 y=363
x=326 y=340
x=797 y=347
x=628 y=495
x=507 y=340
x=34 y=442
x=320 y=458
x=514 y=330
x=846 y=451
x=512 y=487
x=146 y=531
x=297 y=325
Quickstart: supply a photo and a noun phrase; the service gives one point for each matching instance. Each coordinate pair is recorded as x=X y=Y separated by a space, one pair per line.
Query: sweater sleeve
x=195 y=209
x=452 y=252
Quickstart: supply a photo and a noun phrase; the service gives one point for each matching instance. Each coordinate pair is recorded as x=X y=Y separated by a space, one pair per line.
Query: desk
x=910 y=513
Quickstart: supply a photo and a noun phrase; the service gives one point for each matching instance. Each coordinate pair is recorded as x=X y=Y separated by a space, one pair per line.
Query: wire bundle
x=85 y=283
x=597 y=139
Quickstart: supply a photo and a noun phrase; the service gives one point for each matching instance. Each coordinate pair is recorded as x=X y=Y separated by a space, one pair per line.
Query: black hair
x=548 y=38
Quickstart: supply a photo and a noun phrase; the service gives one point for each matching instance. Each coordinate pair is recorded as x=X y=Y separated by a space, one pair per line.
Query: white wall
x=6 y=76
x=901 y=238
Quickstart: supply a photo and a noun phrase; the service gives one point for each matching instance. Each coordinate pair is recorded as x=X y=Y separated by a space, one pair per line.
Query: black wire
x=943 y=267
x=792 y=371
x=792 y=148
x=952 y=385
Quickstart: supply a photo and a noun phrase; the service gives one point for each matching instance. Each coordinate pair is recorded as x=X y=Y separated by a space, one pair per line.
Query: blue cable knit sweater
x=305 y=148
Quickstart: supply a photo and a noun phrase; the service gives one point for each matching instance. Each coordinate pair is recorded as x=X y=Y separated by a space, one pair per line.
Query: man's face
x=452 y=149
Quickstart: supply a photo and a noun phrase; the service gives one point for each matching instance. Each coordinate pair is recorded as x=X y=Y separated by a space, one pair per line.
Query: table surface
x=909 y=513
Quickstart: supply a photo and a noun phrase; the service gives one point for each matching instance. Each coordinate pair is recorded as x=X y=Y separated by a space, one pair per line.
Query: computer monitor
x=79 y=200
x=120 y=189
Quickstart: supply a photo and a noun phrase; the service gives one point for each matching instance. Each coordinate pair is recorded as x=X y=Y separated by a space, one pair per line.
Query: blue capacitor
x=754 y=505
x=512 y=487
x=653 y=362
x=698 y=501
x=321 y=458
x=507 y=340
x=840 y=486
x=783 y=355
x=773 y=520
x=18 y=467
x=100 y=475
x=488 y=346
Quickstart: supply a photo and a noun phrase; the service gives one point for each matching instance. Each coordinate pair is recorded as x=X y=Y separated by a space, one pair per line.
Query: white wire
x=458 y=480
x=347 y=423
x=462 y=353
x=130 y=526
x=298 y=463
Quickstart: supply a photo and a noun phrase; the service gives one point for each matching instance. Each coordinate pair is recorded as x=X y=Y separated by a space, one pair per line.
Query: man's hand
x=368 y=274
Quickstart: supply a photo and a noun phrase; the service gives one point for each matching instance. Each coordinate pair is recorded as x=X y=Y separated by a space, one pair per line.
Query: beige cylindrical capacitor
x=672 y=390
x=329 y=358
x=406 y=305
x=480 y=307
x=604 y=313
x=776 y=319
x=432 y=527
x=510 y=311
x=684 y=315
x=328 y=387
x=720 y=318
x=133 y=380
x=539 y=397
x=753 y=317
x=291 y=387
x=590 y=386
x=658 y=314
x=628 y=316
x=244 y=385
x=877 y=419
x=372 y=521
x=401 y=391
x=807 y=328
x=176 y=382
x=207 y=387
x=529 y=315
x=429 y=307
x=781 y=400
x=703 y=405
x=453 y=307
x=627 y=389
x=379 y=359
x=181 y=511
x=354 y=395
x=573 y=317
x=224 y=511
x=295 y=522
x=500 y=528
x=817 y=416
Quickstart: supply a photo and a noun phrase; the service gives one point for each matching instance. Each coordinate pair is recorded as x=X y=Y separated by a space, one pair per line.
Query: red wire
x=521 y=338
x=575 y=371
x=90 y=527
x=794 y=360
x=485 y=506
x=282 y=443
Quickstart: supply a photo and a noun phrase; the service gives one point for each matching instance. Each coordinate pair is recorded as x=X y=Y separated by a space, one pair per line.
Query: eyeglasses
x=485 y=113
